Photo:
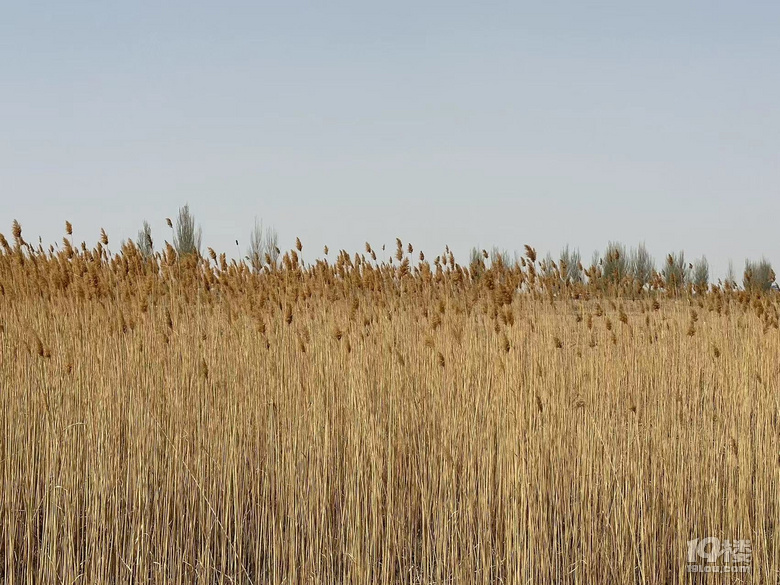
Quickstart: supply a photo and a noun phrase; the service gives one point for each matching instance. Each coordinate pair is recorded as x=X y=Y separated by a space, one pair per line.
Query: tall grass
x=189 y=420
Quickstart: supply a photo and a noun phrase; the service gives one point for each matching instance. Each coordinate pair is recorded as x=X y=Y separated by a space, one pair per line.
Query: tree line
x=615 y=265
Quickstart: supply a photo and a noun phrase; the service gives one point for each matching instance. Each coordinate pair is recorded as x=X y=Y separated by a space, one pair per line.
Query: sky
x=441 y=123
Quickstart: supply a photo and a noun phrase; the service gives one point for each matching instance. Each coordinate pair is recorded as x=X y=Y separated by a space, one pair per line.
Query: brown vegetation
x=190 y=420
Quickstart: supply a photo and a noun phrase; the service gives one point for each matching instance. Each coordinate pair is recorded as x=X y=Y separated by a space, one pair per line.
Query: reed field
x=186 y=419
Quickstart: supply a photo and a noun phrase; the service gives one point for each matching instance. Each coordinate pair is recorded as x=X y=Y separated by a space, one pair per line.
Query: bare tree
x=144 y=241
x=642 y=265
x=731 y=277
x=570 y=265
x=256 y=251
x=758 y=275
x=476 y=263
x=186 y=237
x=594 y=272
x=263 y=247
x=272 y=245
x=615 y=265
x=499 y=257
x=675 y=271
x=700 y=277
x=547 y=267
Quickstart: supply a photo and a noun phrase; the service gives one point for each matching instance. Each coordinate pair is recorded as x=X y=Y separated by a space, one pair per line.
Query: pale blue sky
x=501 y=123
